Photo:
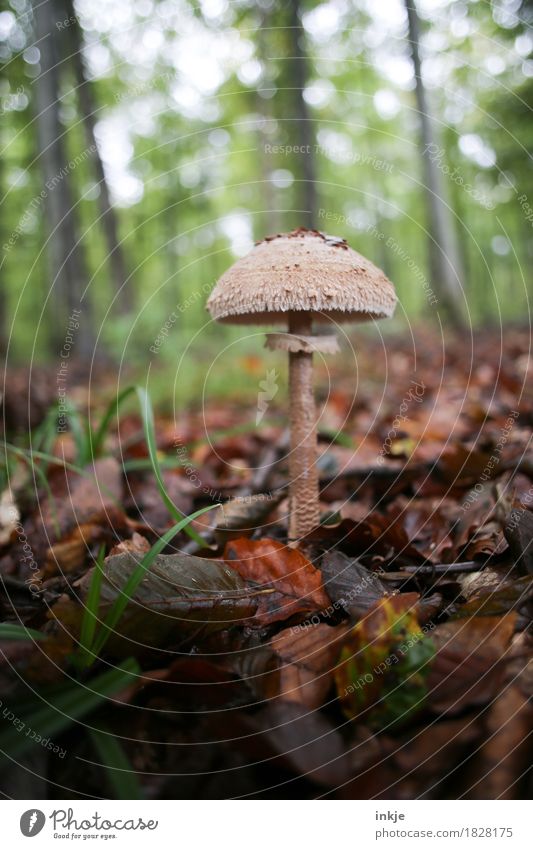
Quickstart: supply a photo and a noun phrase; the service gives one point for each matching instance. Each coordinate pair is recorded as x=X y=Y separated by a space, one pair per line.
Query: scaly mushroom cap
x=305 y=270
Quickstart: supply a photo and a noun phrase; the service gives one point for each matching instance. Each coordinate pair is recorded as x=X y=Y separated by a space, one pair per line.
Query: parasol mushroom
x=299 y=278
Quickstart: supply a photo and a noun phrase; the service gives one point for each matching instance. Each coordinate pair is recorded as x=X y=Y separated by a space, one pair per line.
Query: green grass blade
x=45 y=434
x=147 y=415
x=28 y=456
x=81 y=434
x=141 y=465
x=12 y=631
x=65 y=707
x=97 y=442
x=84 y=656
x=135 y=579
x=236 y=430
x=120 y=774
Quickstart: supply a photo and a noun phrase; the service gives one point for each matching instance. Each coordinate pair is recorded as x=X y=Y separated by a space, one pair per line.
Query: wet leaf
x=269 y=563
x=352 y=587
x=308 y=743
x=375 y=536
x=509 y=594
x=305 y=659
x=240 y=517
x=469 y=663
x=519 y=534
x=180 y=596
x=506 y=752
x=384 y=663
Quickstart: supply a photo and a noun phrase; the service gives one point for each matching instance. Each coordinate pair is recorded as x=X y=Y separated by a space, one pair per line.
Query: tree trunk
x=66 y=261
x=302 y=123
x=117 y=263
x=270 y=218
x=3 y=287
x=444 y=257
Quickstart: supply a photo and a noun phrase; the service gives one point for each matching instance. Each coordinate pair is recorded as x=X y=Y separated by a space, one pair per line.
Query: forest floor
x=389 y=656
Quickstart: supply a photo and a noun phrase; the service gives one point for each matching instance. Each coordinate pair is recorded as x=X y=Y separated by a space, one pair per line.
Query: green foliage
x=84 y=656
x=60 y=707
x=149 y=432
x=383 y=668
x=205 y=185
x=12 y=631
x=117 y=609
x=120 y=775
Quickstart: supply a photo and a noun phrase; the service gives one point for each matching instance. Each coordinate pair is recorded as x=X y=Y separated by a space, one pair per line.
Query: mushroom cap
x=304 y=270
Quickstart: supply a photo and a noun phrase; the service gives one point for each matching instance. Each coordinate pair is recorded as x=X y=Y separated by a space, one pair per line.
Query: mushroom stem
x=303 y=474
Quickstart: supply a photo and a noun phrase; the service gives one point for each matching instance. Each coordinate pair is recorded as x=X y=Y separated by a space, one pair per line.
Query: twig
x=437 y=569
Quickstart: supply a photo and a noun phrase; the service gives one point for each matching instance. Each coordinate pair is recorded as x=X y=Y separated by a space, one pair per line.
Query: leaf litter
x=387 y=656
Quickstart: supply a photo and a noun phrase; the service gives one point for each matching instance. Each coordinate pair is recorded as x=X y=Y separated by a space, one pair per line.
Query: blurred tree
x=196 y=106
x=297 y=74
x=66 y=260
x=3 y=287
x=264 y=92
x=121 y=281
x=444 y=257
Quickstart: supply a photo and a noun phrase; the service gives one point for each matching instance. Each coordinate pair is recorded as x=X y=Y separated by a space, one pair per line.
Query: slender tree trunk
x=271 y=220
x=302 y=124
x=3 y=288
x=117 y=263
x=66 y=261
x=444 y=257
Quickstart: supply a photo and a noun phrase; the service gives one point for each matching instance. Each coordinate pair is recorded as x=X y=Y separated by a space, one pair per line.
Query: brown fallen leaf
x=241 y=516
x=425 y=756
x=519 y=534
x=306 y=657
x=269 y=563
x=461 y=466
x=90 y=499
x=376 y=536
x=144 y=499
x=180 y=597
x=496 y=598
x=296 y=665
x=308 y=743
x=351 y=586
x=136 y=545
x=70 y=553
x=469 y=665
x=506 y=754
x=80 y=499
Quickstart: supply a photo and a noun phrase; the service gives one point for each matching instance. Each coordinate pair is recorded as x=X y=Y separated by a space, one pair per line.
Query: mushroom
x=299 y=278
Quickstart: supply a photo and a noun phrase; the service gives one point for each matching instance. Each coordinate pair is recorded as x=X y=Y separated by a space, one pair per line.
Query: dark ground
x=390 y=657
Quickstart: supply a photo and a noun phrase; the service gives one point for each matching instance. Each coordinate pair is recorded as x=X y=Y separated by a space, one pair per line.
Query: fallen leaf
x=307 y=743
x=180 y=596
x=519 y=534
x=269 y=563
x=136 y=545
x=306 y=657
x=375 y=536
x=469 y=663
x=91 y=499
x=505 y=756
x=384 y=663
x=241 y=516
x=351 y=586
